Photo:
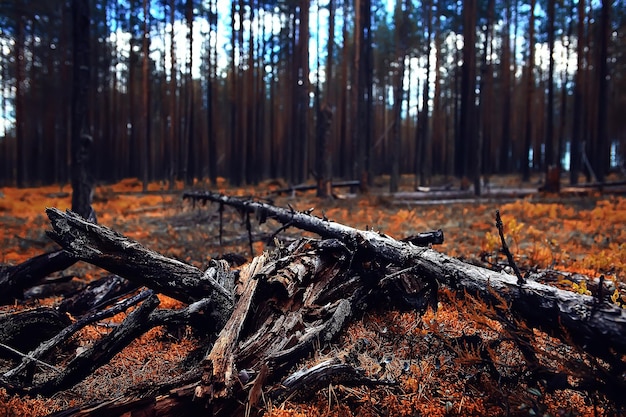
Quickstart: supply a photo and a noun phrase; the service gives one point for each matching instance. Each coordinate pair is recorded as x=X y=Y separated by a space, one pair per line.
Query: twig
x=507 y=252
x=24 y=355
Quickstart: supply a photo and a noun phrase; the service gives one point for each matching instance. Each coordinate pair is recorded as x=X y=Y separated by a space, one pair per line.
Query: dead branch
x=15 y=279
x=67 y=332
x=125 y=257
x=599 y=328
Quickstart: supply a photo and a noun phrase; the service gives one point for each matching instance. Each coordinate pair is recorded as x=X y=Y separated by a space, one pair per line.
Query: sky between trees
x=423 y=87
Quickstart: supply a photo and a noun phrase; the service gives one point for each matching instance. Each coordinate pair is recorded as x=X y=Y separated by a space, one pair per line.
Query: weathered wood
x=24 y=330
x=220 y=359
x=335 y=184
x=96 y=294
x=102 y=351
x=144 y=318
x=597 y=326
x=125 y=257
x=67 y=332
x=329 y=372
x=15 y=279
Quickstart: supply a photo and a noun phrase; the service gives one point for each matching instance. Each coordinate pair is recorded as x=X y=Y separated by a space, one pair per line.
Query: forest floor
x=438 y=369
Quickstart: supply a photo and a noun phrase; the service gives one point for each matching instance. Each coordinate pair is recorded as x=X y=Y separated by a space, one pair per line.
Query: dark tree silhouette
x=82 y=141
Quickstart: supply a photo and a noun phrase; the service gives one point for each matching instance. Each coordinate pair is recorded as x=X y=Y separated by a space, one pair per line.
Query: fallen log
x=598 y=326
x=303 y=187
x=15 y=279
x=125 y=257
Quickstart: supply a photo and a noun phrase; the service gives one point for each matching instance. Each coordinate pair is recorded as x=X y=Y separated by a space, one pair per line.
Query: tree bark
x=15 y=279
x=591 y=323
x=120 y=255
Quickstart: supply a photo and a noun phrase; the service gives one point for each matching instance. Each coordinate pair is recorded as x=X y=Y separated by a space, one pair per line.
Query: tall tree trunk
x=549 y=161
x=212 y=77
x=300 y=73
x=250 y=104
x=172 y=141
x=20 y=116
x=189 y=107
x=530 y=87
x=602 y=160
x=563 y=133
x=398 y=97
x=504 y=161
x=366 y=80
x=422 y=133
x=354 y=97
x=145 y=105
x=486 y=108
x=82 y=181
x=439 y=142
x=471 y=152
x=344 y=131
x=575 y=148
x=325 y=111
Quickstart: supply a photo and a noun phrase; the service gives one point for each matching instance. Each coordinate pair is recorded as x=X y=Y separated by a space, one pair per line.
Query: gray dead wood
x=288 y=302
x=139 y=321
x=15 y=279
x=598 y=327
x=127 y=258
x=24 y=330
x=45 y=347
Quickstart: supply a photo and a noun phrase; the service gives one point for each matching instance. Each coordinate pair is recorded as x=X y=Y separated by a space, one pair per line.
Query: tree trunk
x=82 y=141
x=145 y=103
x=602 y=160
x=470 y=144
x=530 y=88
x=504 y=162
x=549 y=158
x=172 y=140
x=575 y=148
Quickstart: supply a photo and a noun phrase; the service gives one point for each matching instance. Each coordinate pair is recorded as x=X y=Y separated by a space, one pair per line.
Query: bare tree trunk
x=504 y=164
x=145 y=105
x=530 y=87
x=575 y=148
x=550 y=160
x=422 y=132
x=471 y=151
x=173 y=138
x=20 y=115
x=602 y=163
x=190 y=155
x=82 y=180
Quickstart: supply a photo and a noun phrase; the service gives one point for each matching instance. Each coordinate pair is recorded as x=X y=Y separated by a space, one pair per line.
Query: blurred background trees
x=255 y=89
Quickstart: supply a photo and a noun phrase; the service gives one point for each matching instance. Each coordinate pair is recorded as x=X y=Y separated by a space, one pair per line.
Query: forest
x=312 y=208
x=250 y=90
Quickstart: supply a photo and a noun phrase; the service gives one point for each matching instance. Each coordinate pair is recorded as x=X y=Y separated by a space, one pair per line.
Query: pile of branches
x=264 y=318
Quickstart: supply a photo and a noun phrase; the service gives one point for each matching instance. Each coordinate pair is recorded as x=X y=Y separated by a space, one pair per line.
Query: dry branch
x=15 y=279
x=597 y=326
x=125 y=257
x=67 y=332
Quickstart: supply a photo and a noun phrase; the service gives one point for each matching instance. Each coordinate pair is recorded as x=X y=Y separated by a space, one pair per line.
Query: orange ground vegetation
x=459 y=360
